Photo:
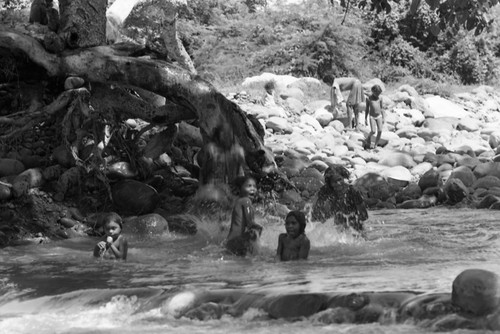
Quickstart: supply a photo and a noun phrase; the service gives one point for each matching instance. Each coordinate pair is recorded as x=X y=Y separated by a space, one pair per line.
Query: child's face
x=375 y=93
x=292 y=227
x=113 y=229
x=336 y=179
x=249 y=188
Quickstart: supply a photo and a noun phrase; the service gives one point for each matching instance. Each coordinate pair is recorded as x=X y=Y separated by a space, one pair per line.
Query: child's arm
x=248 y=215
x=367 y=110
x=279 y=251
x=304 y=249
x=122 y=249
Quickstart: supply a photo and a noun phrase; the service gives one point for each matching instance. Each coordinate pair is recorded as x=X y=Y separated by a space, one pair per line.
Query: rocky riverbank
x=434 y=151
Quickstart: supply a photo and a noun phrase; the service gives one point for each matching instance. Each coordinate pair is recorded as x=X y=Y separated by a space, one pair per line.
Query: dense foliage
x=441 y=40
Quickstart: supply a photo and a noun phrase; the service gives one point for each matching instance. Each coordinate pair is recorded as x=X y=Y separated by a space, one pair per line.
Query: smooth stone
x=455 y=190
x=476 y=291
x=151 y=224
x=430 y=179
x=134 y=197
x=486 y=182
x=465 y=175
x=10 y=167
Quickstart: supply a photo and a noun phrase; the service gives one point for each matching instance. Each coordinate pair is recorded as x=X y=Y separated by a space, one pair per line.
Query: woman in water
x=340 y=200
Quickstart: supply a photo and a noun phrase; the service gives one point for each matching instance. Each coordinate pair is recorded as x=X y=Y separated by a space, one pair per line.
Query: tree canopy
x=468 y=14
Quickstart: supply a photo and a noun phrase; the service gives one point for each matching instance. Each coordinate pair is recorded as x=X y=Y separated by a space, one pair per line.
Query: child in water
x=114 y=245
x=340 y=200
x=374 y=109
x=293 y=245
x=244 y=231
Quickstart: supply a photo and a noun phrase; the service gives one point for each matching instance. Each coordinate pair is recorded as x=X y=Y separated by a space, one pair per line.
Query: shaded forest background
x=230 y=40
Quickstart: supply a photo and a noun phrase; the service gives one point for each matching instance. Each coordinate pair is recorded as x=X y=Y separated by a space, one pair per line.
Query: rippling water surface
x=60 y=288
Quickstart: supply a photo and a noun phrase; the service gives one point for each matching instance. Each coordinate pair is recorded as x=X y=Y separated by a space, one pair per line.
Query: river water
x=59 y=288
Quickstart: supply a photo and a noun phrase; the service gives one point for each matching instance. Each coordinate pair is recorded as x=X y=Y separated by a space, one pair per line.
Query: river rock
x=410 y=192
x=375 y=186
x=393 y=159
x=5 y=192
x=53 y=172
x=465 y=175
x=398 y=173
x=73 y=83
x=294 y=306
x=468 y=161
x=487 y=201
x=487 y=168
x=455 y=190
x=151 y=224
x=430 y=179
x=134 y=197
x=290 y=197
x=278 y=124
x=486 y=182
x=441 y=107
x=10 y=167
x=476 y=291
x=421 y=169
x=63 y=156
x=310 y=184
x=295 y=106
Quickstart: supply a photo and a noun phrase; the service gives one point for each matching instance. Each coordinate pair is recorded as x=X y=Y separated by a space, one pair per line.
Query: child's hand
x=101 y=245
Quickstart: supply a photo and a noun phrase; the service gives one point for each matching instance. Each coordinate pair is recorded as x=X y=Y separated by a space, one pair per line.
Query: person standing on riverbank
x=375 y=109
x=354 y=100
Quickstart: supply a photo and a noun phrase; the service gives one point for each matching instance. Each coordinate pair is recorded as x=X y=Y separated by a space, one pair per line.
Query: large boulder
x=465 y=175
x=10 y=167
x=476 y=292
x=440 y=107
x=134 y=197
x=455 y=191
x=151 y=224
x=486 y=182
x=375 y=186
x=430 y=179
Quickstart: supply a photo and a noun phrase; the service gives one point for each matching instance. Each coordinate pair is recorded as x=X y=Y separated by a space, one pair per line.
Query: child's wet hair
x=300 y=217
x=376 y=89
x=240 y=181
x=270 y=85
x=113 y=217
x=336 y=169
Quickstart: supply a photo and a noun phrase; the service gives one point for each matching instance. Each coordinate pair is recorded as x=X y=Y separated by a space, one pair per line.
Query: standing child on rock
x=114 y=245
x=293 y=245
x=375 y=109
x=244 y=232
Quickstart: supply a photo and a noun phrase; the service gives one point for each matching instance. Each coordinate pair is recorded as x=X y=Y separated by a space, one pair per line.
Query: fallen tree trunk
x=110 y=65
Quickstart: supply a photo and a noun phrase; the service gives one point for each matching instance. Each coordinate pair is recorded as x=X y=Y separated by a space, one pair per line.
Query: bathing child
x=375 y=109
x=340 y=200
x=244 y=232
x=114 y=245
x=293 y=245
